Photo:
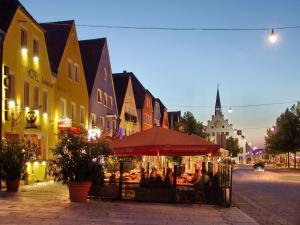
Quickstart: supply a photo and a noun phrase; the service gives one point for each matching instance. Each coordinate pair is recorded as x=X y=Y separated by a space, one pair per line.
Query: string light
x=273 y=37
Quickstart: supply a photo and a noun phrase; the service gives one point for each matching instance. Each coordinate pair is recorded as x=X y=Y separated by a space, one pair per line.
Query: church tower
x=218 y=108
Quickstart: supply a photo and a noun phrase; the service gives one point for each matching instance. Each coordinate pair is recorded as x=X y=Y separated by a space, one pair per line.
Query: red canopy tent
x=163 y=142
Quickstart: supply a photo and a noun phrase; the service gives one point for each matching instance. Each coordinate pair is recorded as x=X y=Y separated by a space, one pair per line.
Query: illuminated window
x=26 y=94
x=23 y=38
x=70 y=75
x=99 y=96
x=73 y=111
x=93 y=119
x=45 y=102
x=63 y=108
x=110 y=102
x=81 y=114
x=76 y=73
x=36 y=98
x=35 y=47
x=102 y=121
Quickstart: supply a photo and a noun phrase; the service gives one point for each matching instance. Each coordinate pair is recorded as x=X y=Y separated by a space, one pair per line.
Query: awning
x=163 y=142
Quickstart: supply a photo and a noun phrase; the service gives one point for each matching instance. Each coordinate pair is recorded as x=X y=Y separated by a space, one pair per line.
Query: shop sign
x=31 y=119
x=64 y=124
x=6 y=90
x=32 y=74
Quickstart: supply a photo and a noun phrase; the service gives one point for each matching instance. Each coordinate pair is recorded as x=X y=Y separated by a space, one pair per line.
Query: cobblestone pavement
x=49 y=204
x=271 y=197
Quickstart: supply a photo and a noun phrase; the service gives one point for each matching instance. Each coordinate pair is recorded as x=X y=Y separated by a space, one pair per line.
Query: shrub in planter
x=78 y=162
x=14 y=156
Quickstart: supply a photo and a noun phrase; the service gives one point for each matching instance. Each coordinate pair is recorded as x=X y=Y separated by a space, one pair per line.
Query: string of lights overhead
x=273 y=31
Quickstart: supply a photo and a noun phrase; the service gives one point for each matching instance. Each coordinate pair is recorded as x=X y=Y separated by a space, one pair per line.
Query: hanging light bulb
x=273 y=37
x=230 y=110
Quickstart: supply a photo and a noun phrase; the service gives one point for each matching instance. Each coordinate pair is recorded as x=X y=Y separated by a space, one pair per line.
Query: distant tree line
x=284 y=137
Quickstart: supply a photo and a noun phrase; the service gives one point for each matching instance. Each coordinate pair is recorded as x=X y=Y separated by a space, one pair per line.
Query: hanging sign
x=64 y=123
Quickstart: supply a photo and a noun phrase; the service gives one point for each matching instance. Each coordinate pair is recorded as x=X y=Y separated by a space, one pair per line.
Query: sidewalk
x=49 y=204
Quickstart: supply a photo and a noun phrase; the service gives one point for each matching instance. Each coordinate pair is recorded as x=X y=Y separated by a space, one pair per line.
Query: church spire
x=218 y=108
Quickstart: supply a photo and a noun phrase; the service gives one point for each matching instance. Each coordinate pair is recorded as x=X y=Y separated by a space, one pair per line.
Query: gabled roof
x=57 y=34
x=8 y=10
x=120 y=84
x=138 y=89
x=91 y=51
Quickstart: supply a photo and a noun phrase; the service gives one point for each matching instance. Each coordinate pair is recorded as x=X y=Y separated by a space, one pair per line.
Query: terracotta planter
x=78 y=192
x=12 y=185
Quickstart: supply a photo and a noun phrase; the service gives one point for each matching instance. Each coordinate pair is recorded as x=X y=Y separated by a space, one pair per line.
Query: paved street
x=270 y=197
x=49 y=204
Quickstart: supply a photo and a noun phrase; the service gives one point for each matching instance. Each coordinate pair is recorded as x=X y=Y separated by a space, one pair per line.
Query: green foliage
x=232 y=145
x=190 y=125
x=175 y=159
x=14 y=156
x=78 y=159
x=286 y=136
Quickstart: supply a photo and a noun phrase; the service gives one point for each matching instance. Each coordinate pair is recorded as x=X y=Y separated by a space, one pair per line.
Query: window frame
x=99 y=91
x=73 y=113
x=26 y=95
x=45 y=108
x=64 y=101
x=82 y=114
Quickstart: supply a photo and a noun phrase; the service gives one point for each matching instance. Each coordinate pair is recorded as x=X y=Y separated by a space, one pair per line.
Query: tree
x=190 y=125
x=232 y=145
x=286 y=136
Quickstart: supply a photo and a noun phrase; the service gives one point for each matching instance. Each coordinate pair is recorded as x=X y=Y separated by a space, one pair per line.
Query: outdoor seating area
x=153 y=168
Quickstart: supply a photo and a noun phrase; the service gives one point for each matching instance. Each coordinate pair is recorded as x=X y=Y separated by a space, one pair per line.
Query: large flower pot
x=78 y=192
x=12 y=185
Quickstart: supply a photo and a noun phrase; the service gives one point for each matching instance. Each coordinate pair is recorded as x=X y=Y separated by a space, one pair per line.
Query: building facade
x=27 y=84
x=164 y=121
x=103 y=110
x=129 y=122
x=156 y=112
x=70 y=91
x=219 y=130
x=143 y=101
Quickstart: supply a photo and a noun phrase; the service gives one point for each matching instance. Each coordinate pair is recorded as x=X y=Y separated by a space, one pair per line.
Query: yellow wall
x=129 y=107
x=68 y=89
x=19 y=65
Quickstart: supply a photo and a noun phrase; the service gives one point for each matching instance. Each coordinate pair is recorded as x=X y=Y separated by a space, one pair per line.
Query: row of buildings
x=52 y=81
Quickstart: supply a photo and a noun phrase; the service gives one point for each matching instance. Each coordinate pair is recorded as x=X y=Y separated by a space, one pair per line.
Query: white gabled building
x=219 y=129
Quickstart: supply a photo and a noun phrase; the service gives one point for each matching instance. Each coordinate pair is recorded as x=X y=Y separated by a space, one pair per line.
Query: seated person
x=196 y=177
x=169 y=177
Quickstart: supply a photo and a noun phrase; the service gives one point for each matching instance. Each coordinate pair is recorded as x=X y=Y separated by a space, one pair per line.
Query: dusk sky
x=183 y=68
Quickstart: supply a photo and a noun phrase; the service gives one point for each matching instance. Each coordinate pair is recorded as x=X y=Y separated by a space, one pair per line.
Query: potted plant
x=13 y=162
x=77 y=161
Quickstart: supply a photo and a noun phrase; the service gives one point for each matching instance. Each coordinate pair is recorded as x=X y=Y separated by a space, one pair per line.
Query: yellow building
x=129 y=122
x=27 y=84
x=70 y=92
